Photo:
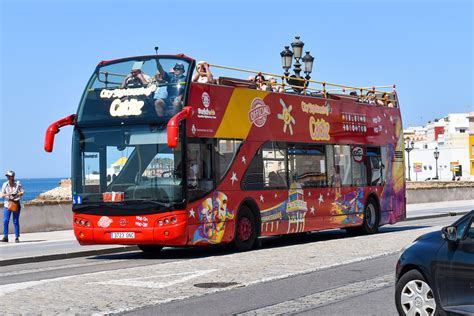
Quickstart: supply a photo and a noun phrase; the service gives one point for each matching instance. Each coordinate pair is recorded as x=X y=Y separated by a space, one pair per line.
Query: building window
x=472 y=150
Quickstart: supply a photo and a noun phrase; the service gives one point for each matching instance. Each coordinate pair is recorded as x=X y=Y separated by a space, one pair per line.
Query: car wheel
x=414 y=296
x=245 y=230
x=150 y=249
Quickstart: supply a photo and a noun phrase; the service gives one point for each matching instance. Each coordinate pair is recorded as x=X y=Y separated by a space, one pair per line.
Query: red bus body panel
x=257 y=117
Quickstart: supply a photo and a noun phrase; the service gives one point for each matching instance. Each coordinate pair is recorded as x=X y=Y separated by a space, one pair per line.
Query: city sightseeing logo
x=206 y=112
x=206 y=99
x=258 y=112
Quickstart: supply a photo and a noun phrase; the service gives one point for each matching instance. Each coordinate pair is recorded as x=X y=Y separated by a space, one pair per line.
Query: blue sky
x=50 y=48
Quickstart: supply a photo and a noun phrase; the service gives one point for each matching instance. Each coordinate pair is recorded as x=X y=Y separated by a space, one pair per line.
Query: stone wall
x=438 y=191
x=42 y=216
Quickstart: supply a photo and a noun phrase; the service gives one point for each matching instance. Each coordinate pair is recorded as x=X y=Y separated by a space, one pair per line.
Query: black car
x=435 y=274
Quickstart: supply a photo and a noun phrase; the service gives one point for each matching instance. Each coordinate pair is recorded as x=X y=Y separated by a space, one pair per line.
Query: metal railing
x=374 y=94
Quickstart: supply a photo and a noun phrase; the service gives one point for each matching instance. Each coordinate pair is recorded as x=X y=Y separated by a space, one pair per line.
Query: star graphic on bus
x=244 y=160
x=320 y=200
x=233 y=178
x=286 y=117
x=261 y=198
x=312 y=210
x=192 y=213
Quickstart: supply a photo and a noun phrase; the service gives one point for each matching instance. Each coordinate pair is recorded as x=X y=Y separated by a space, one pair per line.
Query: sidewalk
x=56 y=245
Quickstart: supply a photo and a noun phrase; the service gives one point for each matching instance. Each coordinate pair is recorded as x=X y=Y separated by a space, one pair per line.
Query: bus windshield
x=124 y=165
x=138 y=89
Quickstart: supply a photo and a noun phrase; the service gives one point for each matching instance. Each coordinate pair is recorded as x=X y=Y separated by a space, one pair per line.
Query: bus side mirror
x=54 y=128
x=172 y=128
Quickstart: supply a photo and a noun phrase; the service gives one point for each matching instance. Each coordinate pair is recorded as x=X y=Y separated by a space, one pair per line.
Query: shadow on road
x=185 y=253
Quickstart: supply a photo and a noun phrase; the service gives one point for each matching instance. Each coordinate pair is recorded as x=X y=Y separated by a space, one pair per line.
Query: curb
x=436 y=216
x=70 y=255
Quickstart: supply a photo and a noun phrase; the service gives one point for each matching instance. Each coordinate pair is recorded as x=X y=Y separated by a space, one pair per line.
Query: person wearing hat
x=136 y=78
x=203 y=74
x=12 y=192
x=172 y=104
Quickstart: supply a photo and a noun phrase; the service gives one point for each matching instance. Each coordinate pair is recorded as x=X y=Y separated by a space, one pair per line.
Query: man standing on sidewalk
x=12 y=191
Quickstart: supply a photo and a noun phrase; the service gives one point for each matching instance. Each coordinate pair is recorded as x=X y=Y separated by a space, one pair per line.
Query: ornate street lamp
x=409 y=146
x=436 y=156
x=286 y=59
x=308 y=65
x=297 y=46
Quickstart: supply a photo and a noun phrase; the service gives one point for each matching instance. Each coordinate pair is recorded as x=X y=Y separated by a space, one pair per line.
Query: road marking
x=70 y=266
x=153 y=282
x=325 y=297
x=10 y=288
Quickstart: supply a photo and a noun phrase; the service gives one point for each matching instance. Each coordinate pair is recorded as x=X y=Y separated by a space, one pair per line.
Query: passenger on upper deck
x=370 y=98
x=273 y=86
x=136 y=78
x=260 y=81
x=161 y=94
x=175 y=89
x=203 y=74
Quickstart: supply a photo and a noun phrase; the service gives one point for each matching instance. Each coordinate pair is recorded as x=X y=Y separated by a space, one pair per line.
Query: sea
x=34 y=186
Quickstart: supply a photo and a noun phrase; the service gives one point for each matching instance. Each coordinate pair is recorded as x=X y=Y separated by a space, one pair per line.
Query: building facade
x=443 y=149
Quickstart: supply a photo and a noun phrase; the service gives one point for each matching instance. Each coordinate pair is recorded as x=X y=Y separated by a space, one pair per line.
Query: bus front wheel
x=245 y=230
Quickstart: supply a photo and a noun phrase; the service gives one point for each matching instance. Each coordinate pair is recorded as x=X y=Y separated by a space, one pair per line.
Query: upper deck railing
x=377 y=95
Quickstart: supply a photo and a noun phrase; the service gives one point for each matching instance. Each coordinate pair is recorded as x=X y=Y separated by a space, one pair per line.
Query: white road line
x=70 y=266
x=10 y=288
x=324 y=297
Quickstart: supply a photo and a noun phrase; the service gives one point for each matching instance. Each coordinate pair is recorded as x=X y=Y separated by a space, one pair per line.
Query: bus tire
x=245 y=235
x=150 y=249
x=370 y=221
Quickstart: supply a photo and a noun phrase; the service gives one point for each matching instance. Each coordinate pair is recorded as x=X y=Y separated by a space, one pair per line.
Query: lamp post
x=436 y=156
x=410 y=145
x=286 y=58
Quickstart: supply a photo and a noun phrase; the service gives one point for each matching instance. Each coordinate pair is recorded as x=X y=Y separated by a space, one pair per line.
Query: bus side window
x=359 y=172
x=225 y=151
x=307 y=164
x=375 y=166
x=253 y=178
x=343 y=163
x=199 y=168
x=267 y=169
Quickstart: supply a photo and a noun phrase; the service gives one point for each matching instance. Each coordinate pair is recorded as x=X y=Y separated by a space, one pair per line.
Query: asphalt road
x=325 y=273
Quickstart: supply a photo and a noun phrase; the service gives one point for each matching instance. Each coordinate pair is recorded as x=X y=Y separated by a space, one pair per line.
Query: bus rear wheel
x=150 y=249
x=245 y=230
x=370 y=222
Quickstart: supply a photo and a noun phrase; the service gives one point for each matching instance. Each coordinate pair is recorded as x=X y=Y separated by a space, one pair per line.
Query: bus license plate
x=122 y=235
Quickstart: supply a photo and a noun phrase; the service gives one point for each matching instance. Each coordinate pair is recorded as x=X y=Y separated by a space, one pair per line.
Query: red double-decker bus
x=159 y=160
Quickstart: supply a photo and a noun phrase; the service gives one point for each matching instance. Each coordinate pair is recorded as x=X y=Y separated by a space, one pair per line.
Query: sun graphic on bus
x=286 y=117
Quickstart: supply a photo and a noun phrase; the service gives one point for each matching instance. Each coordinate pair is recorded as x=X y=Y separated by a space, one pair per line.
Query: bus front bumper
x=132 y=230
